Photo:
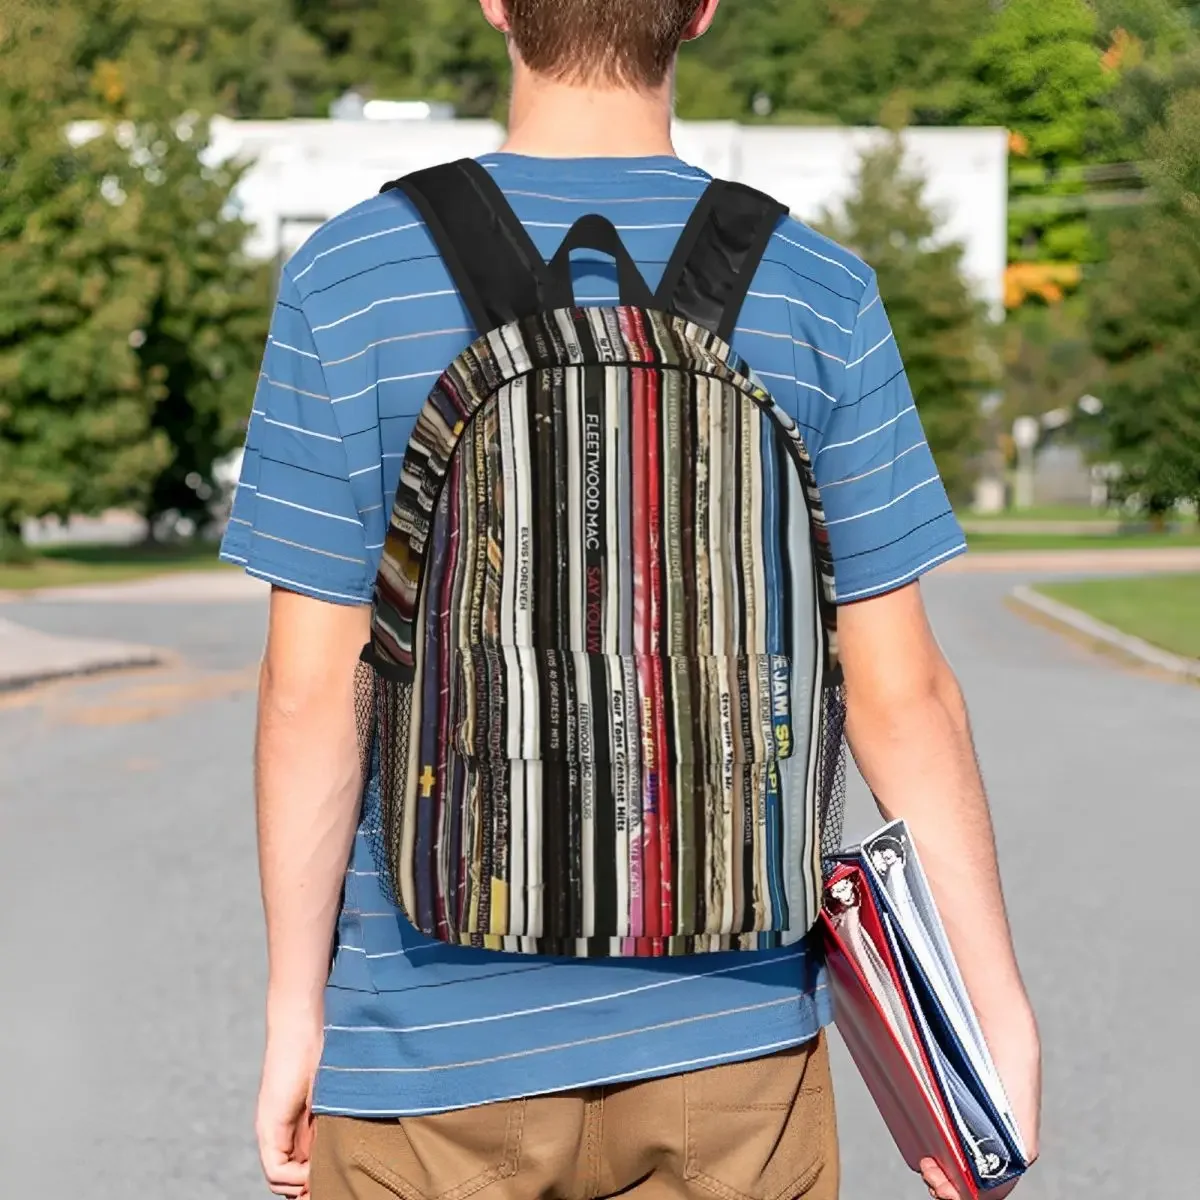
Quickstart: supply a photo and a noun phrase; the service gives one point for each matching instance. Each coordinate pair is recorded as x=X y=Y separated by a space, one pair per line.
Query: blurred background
x=1024 y=175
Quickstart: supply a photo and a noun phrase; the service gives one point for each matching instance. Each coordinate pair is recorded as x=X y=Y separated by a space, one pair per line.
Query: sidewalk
x=28 y=656
x=176 y=587
x=1147 y=561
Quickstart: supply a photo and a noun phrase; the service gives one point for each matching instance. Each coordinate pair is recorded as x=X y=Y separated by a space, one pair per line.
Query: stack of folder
x=905 y=1015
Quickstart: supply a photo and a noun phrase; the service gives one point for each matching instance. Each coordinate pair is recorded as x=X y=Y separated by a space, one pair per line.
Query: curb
x=44 y=658
x=1073 y=621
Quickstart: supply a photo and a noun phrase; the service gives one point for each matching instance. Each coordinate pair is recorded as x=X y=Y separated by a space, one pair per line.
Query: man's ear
x=496 y=12
x=699 y=25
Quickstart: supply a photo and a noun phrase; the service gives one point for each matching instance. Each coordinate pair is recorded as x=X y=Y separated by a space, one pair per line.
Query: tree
x=941 y=328
x=857 y=62
x=242 y=58
x=1144 y=306
x=422 y=49
x=852 y=62
x=129 y=319
x=75 y=430
x=1049 y=362
x=202 y=340
x=1156 y=48
x=367 y=43
x=1039 y=71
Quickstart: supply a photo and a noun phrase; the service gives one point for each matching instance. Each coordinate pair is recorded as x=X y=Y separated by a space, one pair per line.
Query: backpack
x=602 y=695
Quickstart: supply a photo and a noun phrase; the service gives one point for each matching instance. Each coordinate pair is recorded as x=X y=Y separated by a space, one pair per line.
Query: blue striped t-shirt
x=367 y=319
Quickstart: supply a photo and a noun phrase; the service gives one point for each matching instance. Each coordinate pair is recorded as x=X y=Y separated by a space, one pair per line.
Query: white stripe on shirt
x=863 y=312
x=619 y=228
x=608 y=200
x=787 y=337
x=672 y=1068
x=294 y=349
x=287 y=387
x=824 y=258
x=882 y=342
x=678 y=1023
x=387 y=379
x=870 y=512
x=309 y=549
x=354 y=242
x=671 y=981
x=800 y=304
x=316 y=512
x=825 y=487
x=362 y=312
x=672 y=174
x=812 y=387
x=403 y=337
x=862 y=437
x=325 y=437
x=907 y=577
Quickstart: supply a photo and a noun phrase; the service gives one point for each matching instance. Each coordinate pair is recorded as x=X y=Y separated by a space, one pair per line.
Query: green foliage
x=206 y=326
x=75 y=431
x=1049 y=362
x=131 y=324
x=941 y=328
x=1144 y=307
x=1038 y=71
x=242 y=58
x=853 y=62
x=847 y=61
x=1160 y=58
x=128 y=317
x=425 y=49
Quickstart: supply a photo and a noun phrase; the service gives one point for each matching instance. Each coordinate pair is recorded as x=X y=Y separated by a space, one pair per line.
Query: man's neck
x=548 y=119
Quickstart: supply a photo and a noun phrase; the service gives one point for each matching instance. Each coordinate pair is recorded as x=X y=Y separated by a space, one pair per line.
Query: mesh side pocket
x=831 y=771
x=364 y=717
x=384 y=712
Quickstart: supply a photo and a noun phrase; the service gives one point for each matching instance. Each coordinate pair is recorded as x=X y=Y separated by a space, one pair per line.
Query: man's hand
x=1016 y=1052
x=908 y=728
x=284 y=1122
x=309 y=793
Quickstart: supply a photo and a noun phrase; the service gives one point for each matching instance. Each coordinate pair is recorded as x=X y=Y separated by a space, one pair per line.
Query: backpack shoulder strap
x=490 y=256
x=710 y=273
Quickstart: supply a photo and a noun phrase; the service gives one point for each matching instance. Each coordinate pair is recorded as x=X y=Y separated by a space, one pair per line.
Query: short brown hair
x=631 y=42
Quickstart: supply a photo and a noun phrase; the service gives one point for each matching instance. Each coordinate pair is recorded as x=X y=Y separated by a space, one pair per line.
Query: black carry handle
x=595 y=232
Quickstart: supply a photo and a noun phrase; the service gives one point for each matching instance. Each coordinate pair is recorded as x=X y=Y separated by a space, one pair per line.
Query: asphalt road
x=131 y=963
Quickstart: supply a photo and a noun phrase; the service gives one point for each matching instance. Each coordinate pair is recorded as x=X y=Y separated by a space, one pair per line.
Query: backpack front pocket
x=618 y=796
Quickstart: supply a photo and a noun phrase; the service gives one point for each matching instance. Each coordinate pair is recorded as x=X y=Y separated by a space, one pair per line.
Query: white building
x=305 y=172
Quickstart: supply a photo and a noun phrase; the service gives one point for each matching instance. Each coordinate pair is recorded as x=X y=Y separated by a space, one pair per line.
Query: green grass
x=1084 y=541
x=67 y=566
x=1161 y=609
x=1048 y=512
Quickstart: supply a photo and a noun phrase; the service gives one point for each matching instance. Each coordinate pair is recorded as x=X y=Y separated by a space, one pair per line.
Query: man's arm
x=908 y=728
x=309 y=784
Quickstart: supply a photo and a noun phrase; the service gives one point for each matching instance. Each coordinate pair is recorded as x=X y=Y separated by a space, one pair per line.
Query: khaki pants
x=761 y=1130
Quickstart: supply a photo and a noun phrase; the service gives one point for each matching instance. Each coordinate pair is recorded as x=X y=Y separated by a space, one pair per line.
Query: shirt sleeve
x=889 y=518
x=295 y=522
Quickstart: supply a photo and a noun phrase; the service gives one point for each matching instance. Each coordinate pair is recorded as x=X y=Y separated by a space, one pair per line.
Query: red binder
x=915 y=1114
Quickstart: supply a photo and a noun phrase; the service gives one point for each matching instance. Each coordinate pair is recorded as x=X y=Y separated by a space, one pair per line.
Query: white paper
x=892 y=859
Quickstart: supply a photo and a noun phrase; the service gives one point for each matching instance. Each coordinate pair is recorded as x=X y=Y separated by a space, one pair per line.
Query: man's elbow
x=290 y=691
x=925 y=698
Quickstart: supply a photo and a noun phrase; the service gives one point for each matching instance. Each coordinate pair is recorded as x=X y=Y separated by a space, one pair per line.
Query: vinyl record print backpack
x=602 y=690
